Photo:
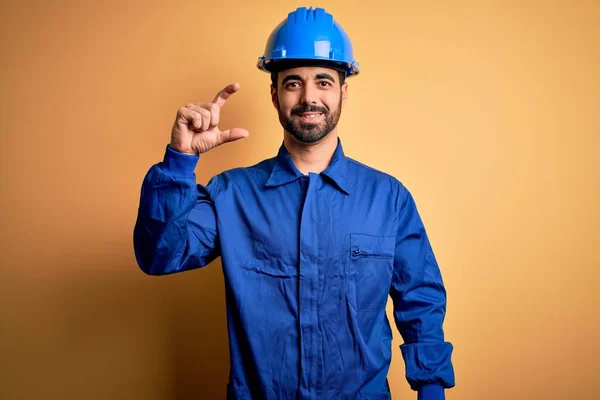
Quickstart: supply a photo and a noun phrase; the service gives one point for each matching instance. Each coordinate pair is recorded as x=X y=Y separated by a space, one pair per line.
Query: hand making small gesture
x=196 y=130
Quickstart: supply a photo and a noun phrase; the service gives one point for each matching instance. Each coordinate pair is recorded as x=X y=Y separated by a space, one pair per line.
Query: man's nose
x=309 y=95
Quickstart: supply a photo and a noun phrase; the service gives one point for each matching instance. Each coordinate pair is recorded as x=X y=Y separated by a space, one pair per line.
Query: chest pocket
x=369 y=270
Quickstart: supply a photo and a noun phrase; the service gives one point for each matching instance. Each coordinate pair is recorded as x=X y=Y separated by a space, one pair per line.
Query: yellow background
x=488 y=111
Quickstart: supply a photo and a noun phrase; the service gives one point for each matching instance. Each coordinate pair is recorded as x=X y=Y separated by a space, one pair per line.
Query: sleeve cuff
x=431 y=392
x=179 y=164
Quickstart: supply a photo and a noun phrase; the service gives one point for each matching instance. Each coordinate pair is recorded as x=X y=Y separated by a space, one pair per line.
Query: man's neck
x=311 y=157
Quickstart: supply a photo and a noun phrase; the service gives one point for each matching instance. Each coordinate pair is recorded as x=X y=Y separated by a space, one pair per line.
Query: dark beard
x=310 y=133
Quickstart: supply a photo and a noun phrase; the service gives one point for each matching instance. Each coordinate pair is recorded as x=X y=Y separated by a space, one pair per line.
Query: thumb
x=231 y=135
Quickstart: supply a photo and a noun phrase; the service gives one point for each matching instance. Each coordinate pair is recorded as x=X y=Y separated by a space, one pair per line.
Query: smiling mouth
x=309 y=116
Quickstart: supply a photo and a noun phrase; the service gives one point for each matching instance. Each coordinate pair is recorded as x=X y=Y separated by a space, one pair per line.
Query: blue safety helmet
x=308 y=37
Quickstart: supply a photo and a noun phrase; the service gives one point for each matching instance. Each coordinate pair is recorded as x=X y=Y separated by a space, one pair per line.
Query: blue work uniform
x=308 y=264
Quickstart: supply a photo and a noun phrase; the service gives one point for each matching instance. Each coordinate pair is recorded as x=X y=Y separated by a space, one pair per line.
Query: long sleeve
x=176 y=227
x=419 y=299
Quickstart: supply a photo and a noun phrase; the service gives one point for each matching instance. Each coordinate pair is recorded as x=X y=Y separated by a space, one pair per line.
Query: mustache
x=309 y=108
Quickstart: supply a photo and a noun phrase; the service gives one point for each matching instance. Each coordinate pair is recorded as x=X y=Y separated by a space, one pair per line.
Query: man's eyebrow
x=291 y=78
x=325 y=76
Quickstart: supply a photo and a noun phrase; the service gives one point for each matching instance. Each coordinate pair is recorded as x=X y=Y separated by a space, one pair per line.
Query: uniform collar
x=284 y=170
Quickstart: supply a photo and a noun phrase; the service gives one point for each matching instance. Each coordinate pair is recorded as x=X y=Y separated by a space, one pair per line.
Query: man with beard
x=311 y=241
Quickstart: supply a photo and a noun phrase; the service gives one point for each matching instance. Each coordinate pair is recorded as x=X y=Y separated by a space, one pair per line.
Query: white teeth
x=311 y=116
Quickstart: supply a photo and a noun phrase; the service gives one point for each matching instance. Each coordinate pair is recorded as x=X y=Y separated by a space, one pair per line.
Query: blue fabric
x=431 y=391
x=308 y=263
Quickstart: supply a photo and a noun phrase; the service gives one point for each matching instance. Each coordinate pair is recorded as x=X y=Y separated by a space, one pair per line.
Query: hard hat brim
x=289 y=63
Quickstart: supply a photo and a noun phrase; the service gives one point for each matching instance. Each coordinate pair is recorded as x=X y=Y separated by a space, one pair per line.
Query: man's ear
x=344 y=93
x=274 y=98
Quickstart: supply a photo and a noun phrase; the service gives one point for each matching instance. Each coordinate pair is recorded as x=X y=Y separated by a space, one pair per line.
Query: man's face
x=309 y=101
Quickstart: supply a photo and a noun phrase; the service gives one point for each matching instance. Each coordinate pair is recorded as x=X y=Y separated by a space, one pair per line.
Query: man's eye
x=292 y=84
x=324 y=83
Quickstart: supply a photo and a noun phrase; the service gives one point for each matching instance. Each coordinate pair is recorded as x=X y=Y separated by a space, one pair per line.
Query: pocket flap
x=363 y=245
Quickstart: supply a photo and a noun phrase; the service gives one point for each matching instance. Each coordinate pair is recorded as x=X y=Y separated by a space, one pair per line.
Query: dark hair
x=278 y=66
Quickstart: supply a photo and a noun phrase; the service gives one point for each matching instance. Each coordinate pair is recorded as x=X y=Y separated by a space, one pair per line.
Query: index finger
x=224 y=94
